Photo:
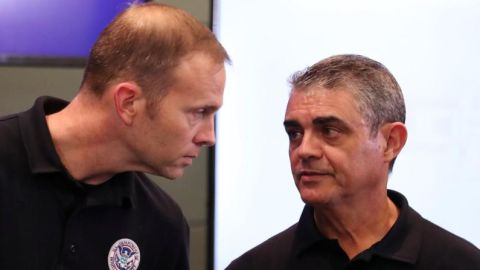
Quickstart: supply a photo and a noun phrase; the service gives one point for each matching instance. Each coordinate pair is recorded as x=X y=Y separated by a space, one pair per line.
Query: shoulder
x=271 y=254
x=11 y=144
x=160 y=206
x=446 y=248
x=152 y=193
x=428 y=245
x=162 y=221
x=9 y=128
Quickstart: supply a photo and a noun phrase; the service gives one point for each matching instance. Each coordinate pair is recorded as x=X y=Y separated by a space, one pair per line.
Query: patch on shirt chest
x=124 y=255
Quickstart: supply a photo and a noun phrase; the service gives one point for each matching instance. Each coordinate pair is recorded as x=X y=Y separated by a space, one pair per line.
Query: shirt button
x=73 y=248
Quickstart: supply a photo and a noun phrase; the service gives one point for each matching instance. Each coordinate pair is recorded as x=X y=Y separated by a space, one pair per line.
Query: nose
x=206 y=133
x=309 y=148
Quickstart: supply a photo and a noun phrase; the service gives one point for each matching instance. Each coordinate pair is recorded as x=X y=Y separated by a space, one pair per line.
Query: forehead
x=317 y=101
x=198 y=76
x=199 y=67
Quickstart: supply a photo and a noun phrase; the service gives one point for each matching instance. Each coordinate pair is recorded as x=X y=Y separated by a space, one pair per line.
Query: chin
x=315 y=197
x=175 y=173
x=309 y=200
x=169 y=173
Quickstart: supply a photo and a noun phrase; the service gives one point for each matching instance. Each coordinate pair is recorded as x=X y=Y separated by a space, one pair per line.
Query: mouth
x=187 y=160
x=311 y=175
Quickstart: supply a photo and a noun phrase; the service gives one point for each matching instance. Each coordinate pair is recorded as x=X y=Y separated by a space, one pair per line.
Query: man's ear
x=127 y=97
x=395 y=135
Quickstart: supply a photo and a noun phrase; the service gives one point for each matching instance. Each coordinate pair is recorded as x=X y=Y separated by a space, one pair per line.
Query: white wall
x=431 y=47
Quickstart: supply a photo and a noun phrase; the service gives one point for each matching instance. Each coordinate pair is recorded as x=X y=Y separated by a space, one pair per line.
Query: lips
x=192 y=156
x=312 y=174
x=187 y=161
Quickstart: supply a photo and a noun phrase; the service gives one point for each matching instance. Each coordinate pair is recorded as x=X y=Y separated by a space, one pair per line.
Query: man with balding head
x=71 y=189
x=345 y=121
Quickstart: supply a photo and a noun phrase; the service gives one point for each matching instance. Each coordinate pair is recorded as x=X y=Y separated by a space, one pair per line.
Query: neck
x=82 y=137
x=357 y=225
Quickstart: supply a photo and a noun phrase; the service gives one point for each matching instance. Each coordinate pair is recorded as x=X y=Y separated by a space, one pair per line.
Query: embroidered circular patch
x=124 y=255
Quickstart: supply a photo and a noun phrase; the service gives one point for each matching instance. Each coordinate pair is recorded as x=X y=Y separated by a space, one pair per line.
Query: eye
x=330 y=132
x=199 y=113
x=294 y=135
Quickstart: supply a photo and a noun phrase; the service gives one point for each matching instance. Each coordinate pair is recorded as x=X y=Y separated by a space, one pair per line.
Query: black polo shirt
x=50 y=221
x=412 y=243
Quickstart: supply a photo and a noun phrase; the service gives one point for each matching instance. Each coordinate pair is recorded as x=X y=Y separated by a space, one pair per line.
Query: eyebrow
x=290 y=124
x=318 y=121
x=332 y=120
x=210 y=108
x=325 y=120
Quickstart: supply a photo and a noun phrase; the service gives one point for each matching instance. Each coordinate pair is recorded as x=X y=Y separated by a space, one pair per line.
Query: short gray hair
x=378 y=94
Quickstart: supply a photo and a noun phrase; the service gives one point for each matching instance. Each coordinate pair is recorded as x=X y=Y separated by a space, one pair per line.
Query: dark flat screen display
x=53 y=29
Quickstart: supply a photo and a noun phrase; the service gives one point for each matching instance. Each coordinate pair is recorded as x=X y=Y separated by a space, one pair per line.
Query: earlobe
x=126 y=96
x=396 y=137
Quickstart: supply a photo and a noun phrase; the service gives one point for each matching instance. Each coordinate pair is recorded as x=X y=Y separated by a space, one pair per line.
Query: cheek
x=339 y=160
x=371 y=153
x=183 y=137
x=173 y=136
x=180 y=128
x=293 y=156
x=361 y=163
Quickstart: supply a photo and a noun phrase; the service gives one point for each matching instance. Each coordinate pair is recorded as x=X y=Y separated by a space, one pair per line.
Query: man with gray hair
x=73 y=194
x=345 y=121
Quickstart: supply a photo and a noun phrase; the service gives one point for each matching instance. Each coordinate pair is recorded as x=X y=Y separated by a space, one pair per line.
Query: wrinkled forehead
x=317 y=98
x=318 y=94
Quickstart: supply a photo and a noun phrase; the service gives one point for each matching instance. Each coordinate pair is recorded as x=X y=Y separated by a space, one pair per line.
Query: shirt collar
x=306 y=234
x=117 y=191
x=401 y=243
x=36 y=137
